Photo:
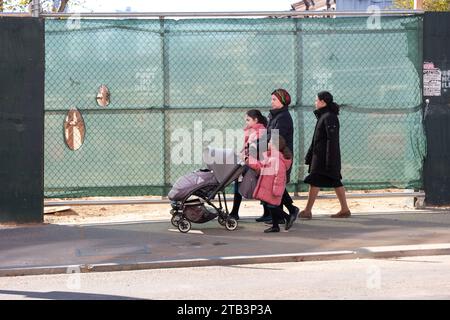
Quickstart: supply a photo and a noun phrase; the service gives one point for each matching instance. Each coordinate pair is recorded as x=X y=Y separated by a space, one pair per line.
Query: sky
x=183 y=5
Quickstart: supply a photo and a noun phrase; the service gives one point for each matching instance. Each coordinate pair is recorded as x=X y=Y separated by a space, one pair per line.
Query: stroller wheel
x=184 y=225
x=175 y=220
x=231 y=224
x=221 y=221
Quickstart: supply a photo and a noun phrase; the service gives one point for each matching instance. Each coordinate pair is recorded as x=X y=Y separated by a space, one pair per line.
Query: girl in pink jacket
x=254 y=130
x=272 y=180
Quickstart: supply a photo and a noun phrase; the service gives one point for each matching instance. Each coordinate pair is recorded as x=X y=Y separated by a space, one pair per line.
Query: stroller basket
x=196 y=211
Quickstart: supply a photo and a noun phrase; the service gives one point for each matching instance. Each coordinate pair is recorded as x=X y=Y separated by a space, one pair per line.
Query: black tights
x=277 y=214
x=285 y=201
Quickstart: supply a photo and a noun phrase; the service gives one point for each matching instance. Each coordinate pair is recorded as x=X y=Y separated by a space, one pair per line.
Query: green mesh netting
x=189 y=82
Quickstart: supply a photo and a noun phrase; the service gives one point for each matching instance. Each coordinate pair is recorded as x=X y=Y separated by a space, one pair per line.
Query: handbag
x=248 y=184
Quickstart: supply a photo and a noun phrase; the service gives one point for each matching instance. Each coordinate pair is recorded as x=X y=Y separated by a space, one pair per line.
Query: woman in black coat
x=324 y=156
x=280 y=122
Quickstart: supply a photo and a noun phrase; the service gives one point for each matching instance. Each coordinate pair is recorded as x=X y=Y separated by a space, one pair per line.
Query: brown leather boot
x=345 y=214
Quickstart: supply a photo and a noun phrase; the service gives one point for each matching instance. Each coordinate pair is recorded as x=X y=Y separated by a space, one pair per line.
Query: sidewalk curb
x=359 y=253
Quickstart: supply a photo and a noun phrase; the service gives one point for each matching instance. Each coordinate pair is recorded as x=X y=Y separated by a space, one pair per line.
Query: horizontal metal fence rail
x=14 y=14
x=51 y=203
x=229 y=14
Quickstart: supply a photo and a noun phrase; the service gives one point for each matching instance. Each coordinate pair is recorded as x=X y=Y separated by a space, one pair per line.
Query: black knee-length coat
x=324 y=154
x=281 y=120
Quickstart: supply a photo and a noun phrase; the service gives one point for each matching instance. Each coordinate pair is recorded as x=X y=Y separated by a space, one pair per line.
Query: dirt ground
x=152 y=212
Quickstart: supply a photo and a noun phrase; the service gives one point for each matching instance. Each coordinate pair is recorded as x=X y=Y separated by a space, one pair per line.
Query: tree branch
x=63 y=5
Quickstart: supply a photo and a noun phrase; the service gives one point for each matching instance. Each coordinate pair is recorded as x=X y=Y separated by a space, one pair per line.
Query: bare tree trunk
x=63 y=5
x=418 y=4
x=1 y=5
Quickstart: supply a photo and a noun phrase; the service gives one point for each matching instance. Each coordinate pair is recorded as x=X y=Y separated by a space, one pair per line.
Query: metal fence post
x=35 y=8
x=298 y=105
x=166 y=102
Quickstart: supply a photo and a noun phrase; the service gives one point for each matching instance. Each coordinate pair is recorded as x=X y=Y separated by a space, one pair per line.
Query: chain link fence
x=130 y=103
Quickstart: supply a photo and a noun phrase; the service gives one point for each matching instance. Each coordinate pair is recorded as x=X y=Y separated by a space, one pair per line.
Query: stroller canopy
x=187 y=183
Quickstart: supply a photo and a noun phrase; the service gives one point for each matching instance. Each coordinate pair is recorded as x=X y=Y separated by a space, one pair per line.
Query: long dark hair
x=328 y=98
x=256 y=114
x=282 y=147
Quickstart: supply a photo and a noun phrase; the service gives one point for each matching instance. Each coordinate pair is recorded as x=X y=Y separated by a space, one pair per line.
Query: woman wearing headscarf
x=280 y=122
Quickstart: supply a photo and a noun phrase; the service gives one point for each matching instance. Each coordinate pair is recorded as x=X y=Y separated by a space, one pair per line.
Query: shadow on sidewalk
x=63 y=295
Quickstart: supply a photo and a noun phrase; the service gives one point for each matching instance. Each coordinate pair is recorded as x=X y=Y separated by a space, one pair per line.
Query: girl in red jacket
x=272 y=180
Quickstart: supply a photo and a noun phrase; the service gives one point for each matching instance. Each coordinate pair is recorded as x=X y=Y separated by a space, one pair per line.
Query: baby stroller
x=192 y=195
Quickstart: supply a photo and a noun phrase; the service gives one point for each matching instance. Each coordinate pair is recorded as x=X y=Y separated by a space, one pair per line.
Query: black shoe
x=272 y=229
x=294 y=210
x=282 y=221
x=264 y=219
x=235 y=216
x=292 y=218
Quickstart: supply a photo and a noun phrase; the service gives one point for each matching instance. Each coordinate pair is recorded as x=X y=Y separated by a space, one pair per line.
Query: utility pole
x=418 y=4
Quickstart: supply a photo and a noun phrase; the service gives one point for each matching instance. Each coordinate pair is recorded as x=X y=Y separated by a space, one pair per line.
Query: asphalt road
x=405 y=278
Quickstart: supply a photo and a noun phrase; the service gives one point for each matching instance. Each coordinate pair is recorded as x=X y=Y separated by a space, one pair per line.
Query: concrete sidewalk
x=47 y=249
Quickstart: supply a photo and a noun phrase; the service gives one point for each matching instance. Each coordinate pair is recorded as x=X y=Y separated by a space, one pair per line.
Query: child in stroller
x=193 y=194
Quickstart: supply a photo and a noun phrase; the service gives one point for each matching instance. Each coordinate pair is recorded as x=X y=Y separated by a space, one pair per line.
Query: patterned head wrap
x=283 y=96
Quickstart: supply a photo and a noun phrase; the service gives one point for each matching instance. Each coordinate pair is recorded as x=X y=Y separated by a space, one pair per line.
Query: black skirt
x=321 y=181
